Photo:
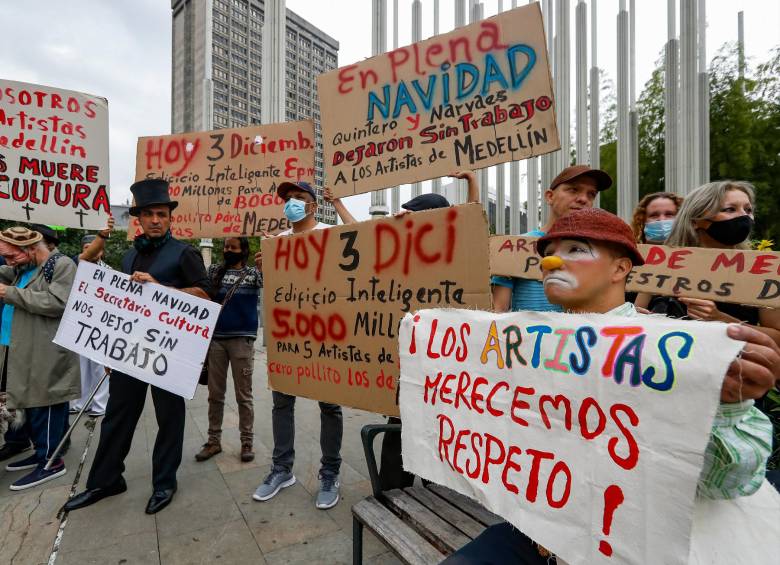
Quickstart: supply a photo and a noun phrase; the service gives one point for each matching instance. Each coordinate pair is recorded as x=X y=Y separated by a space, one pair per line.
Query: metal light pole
x=704 y=98
x=671 y=102
x=378 y=45
x=595 y=93
x=435 y=183
x=395 y=192
x=581 y=30
x=623 y=136
x=416 y=36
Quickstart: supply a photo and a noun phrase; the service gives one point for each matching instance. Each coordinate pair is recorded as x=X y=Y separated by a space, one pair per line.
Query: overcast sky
x=121 y=50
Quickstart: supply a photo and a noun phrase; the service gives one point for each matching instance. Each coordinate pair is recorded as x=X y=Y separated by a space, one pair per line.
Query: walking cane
x=72 y=427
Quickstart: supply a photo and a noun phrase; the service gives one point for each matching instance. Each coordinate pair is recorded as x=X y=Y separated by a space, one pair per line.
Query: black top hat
x=150 y=192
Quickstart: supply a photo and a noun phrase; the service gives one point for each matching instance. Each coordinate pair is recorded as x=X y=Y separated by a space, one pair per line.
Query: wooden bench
x=421 y=525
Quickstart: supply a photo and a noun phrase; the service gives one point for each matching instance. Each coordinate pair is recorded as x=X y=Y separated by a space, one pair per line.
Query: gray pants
x=331 y=430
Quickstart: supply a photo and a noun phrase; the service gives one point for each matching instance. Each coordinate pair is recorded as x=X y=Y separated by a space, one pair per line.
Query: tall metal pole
x=549 y=161
x=416 y=36
x=581 y=25
x=274 y=85
x=595 y=93
x=476 y=14
x=741 y=42
x=514 y=187
x=671 y=102
x=689 y=134
x=563 y=82
x=633 y=116
x=378 y=45
x=460 y=20
x=395 y=192
x=623 y=136
x=704 y=98
x=500 y=180
x=436 y=183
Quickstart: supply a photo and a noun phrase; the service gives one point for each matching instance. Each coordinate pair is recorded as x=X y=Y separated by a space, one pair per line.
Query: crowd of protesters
x=42 y=381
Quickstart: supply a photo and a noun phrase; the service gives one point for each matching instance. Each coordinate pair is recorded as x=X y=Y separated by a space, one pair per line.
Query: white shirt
x=319 y=226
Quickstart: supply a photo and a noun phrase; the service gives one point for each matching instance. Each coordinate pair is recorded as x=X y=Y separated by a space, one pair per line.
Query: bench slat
x=446 y=537
x=446 y=511
x=406 y=543
x=467 y=505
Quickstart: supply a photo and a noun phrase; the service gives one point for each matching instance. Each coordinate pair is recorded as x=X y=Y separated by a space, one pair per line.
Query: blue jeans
x=283 y=423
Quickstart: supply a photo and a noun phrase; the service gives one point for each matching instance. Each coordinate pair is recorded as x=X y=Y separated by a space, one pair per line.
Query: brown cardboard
x=433 y=135
x=389 y=259
x=720 y=275
x=226 y=181
x=53 y=156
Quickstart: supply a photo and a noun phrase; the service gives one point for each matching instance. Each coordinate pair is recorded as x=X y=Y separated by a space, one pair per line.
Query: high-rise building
x=216 y=70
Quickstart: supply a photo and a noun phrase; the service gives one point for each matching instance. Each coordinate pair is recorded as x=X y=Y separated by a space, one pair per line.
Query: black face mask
x=731 y=232
x=232 y=258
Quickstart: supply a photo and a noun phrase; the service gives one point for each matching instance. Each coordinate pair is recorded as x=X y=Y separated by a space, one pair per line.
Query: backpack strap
x=48 y=266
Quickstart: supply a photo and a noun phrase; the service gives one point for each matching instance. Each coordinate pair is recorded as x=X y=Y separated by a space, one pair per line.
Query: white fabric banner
x=154 y=333
x=587 y=432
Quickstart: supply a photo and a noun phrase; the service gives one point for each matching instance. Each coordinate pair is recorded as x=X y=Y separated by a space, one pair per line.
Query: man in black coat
x=159 y=258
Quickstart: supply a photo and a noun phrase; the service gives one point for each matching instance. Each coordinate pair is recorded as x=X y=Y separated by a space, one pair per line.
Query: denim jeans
x=331 y=430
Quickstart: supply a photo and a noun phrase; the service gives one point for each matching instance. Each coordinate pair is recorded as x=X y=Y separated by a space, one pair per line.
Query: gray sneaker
x=329 y=492
x=273 y=483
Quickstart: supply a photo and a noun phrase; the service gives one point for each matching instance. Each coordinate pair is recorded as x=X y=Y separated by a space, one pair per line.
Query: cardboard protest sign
x=334 y=298
x=53 y=156
x=477 y=96
x=154 y=333
x=225 y=180
x=720 y=275
x=586 y=432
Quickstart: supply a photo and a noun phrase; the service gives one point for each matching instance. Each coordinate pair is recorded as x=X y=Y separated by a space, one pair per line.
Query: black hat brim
x=136 y=210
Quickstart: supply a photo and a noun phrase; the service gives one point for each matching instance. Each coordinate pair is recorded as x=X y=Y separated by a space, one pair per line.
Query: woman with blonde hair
x=654 y=217
x=719 y=215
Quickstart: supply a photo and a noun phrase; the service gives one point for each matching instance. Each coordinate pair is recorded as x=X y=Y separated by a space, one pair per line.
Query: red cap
x=603 y=180
x=594 y=224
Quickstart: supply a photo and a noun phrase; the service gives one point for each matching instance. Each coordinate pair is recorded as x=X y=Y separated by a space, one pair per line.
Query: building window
x=219 y=73
x=239 y=93
x=220 y=85
x=219 y=61
x=238 y=37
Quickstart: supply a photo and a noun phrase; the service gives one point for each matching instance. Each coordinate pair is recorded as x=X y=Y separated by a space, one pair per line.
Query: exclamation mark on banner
x=613 y=497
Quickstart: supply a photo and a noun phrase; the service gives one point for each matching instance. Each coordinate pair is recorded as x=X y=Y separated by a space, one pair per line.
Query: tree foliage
x=744 y=133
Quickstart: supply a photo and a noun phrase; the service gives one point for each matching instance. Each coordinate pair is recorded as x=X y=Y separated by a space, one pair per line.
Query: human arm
x=707 y=310
x=339 y=206
x=741 y=440
x=502 y=293
x=642 y=300
x=473 y=185
x=94 y=249
x=50 y=301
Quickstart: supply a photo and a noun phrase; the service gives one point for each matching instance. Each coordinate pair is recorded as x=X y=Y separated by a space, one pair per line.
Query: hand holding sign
x=757 y=369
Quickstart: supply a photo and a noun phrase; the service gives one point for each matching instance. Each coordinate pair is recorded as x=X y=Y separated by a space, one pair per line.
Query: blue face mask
x=658 y=232
x=295 y=210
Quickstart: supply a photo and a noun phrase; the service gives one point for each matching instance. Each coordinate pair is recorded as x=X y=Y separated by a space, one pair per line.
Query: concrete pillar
x=532 y=177
x=378 y=45
x=274 y=63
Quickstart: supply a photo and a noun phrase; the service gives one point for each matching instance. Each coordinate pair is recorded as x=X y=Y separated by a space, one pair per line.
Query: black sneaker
x=12 y=450
x=40 y=476
x=30 y=462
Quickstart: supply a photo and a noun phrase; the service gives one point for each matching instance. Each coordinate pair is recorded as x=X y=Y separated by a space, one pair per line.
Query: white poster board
x=585 y=432
x=53 y=156
x=154 y=333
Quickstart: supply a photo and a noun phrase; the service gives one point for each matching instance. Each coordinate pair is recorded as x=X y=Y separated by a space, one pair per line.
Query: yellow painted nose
x=552 y=262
